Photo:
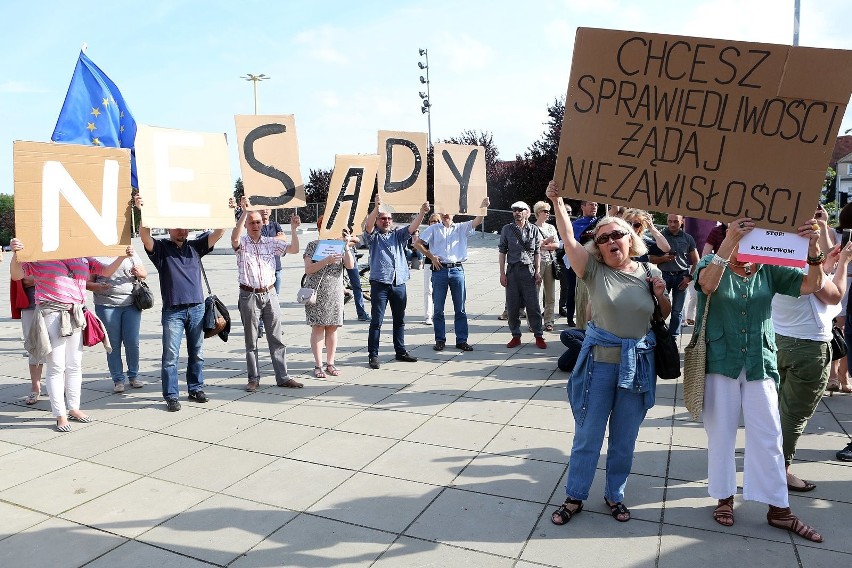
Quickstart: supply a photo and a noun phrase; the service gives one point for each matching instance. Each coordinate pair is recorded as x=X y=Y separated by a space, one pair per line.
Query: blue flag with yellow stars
x=94 y=113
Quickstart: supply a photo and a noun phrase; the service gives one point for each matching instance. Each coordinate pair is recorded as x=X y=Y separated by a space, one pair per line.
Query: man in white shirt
x=448 y=251
x=258 y=299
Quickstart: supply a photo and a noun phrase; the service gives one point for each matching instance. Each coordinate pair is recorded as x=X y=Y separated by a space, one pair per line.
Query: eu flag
x=95 y=113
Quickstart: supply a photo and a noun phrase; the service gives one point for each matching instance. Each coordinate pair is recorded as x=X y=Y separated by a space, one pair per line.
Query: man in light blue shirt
x=388 y=275
x=448 y=251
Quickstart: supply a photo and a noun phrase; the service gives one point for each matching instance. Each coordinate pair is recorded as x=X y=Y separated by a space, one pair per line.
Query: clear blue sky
x=347 y=69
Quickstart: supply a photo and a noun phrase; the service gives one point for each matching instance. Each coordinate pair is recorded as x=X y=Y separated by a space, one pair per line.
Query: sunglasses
x=637 y=225
x=606 y=237
x=544 y=210
x=517 y=209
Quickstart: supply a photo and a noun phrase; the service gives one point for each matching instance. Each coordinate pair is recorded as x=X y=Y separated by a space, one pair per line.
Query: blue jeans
x=452 y=278
x=176 y=322
x=122 y=328
x=624 y=411
x=380 y=295
x=673 y=280
x=357 y=292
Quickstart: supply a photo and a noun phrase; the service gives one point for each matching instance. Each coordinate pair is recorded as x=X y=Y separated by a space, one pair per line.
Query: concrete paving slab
x=213 y=468
x=455 y=433
x=134 y=554
x=79 y=545
x=421 y=462
x=416 y=553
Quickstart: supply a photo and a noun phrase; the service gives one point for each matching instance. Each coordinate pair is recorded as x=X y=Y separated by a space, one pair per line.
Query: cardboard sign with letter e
x=184 y=179
x=71 y=200
x=402 y=170
x=269 y=161
x=349 y=194
x=460 y=184
x=707 y=128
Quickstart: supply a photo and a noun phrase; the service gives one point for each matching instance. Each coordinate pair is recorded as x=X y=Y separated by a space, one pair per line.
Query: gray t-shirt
x=121 y=283
x=621 y=303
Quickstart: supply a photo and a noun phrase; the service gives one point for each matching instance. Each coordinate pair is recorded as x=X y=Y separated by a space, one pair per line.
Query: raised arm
x=813 y=280
x=412 y=228
x=144 y=231
x=237 y=231
x=295 y=221
x=16 y=271
x=479 y=218
x=577 y=255
x=370 y=223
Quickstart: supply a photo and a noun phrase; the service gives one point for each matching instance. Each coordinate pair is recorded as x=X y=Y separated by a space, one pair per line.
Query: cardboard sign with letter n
x=71 y=200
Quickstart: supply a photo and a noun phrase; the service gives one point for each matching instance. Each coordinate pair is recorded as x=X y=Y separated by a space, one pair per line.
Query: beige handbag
x=695 y=368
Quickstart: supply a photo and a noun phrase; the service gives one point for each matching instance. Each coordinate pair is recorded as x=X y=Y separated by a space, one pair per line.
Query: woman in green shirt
x=613 y=382
x=742 y=373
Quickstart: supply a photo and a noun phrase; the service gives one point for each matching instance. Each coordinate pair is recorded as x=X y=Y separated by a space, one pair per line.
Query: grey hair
x=637 y=245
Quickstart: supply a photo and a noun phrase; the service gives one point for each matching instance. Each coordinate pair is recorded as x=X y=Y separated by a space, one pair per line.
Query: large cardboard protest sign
x=349 y=194
x=184 y=178
x=460 y=184
x=269 y=161
x=71 y=200
x=402 y=170
x=707 y=128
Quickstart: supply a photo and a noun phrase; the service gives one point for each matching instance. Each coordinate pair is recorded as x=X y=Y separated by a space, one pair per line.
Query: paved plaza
x=456 y=460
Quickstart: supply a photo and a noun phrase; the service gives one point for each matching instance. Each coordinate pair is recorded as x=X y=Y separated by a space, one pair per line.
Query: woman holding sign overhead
x=324 y=264
x=742 y=373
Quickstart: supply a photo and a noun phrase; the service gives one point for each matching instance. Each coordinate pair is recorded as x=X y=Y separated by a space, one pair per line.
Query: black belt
x=675 y=271
x=256 y=290
x=451 y=264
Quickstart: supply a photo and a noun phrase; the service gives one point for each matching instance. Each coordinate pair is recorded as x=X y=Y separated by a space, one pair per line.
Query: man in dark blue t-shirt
x=178 y=261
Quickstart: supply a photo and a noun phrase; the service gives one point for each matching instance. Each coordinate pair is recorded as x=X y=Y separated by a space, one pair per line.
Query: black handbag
x=666 y=352
x=217 y=320
x=143 y=298
x=556 y=267
x=838 y=343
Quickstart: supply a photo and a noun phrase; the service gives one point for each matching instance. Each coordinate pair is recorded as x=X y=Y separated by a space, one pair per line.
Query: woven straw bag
x=695 y=367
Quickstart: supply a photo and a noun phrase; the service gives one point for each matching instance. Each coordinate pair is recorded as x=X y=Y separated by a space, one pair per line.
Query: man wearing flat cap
x=520 y=263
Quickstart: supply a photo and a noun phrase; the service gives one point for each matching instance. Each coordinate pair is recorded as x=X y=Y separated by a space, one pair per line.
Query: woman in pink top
x=60 y=294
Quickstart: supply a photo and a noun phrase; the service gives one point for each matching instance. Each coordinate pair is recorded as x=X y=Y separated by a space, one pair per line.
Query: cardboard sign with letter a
x=402 y=170
x=707 y=128
x=269 y=161
x=184 y=179
x=71 y=200
x=460 y=184
x=349 y=194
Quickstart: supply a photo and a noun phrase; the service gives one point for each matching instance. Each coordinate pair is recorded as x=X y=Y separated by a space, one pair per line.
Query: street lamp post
x=255 y=79
x=426 y=107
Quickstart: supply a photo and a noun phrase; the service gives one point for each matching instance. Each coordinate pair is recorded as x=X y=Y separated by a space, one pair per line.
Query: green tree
x=316 y=191
x=530 y=174
x=7 y=218
x=494 y=174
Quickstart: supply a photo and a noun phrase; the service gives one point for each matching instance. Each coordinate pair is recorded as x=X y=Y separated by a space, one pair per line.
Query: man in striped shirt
x=256 y=256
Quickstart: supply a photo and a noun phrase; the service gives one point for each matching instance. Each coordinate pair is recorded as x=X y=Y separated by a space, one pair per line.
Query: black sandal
x=617 y=509
x=564 y=514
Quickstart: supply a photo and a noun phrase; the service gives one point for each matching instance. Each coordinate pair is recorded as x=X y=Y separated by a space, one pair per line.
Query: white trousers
x=63 y=367
x=428 y=306
x=764 y=476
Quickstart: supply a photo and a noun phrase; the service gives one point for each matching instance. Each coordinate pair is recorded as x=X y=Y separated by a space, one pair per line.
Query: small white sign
x=773 y=247
x=327 y=248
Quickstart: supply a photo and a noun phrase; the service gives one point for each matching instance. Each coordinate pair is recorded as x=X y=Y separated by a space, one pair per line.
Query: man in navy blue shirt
x=388 y=275
x=178 y=261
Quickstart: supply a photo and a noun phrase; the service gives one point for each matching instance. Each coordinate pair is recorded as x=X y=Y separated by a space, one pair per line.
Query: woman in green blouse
x=742 y=373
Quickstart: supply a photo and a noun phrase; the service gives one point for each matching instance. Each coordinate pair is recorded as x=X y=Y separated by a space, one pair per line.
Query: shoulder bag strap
x=204 y=274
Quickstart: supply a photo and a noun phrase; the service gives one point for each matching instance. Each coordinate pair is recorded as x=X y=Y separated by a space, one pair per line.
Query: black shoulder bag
x=666 y=352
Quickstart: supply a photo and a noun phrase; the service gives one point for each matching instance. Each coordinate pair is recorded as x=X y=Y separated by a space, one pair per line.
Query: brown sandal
x=724 y=512
x=783 y=518
x=330 y=369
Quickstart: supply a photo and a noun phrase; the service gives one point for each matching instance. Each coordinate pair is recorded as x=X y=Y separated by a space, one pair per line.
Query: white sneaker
x=118 y=387
x=427 y=321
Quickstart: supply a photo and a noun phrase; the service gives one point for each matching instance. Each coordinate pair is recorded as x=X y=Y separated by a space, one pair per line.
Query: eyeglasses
x=385 y=218
x=637 y=225
x=606 y=237
x=544 y=210
x=518 y=209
